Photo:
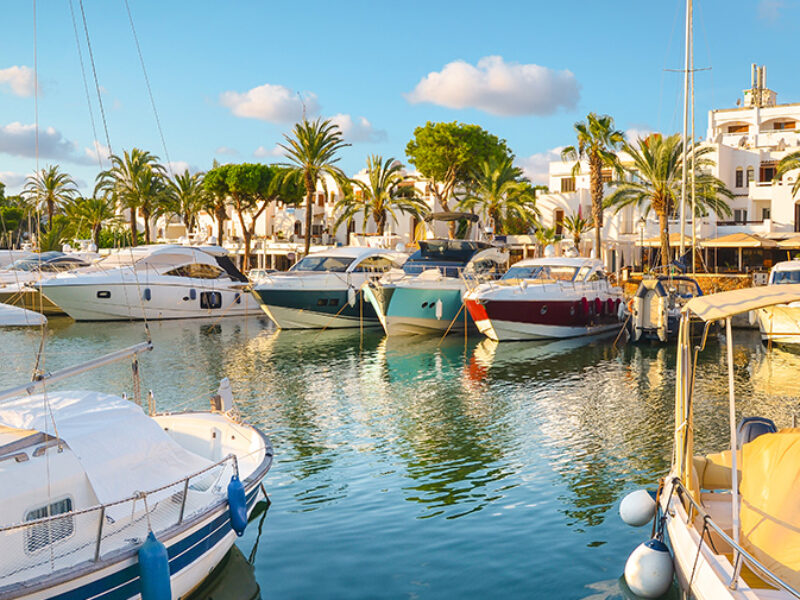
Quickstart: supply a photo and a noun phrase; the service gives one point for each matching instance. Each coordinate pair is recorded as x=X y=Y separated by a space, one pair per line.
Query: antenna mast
x=688 y=51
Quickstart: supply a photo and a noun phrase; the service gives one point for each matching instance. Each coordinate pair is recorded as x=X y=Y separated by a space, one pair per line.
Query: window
x=42 y=535
x=765 y=214
x=545 y=274
x=767 y=171
x=738 y=128
x=750 y=176
x=606 y=175
x=567 y=184
x=374 y=264
x=210 y=300
x=321 y=199
x=740 y=215
x=784 y=125
x=196 y=271
x=739 y=177
x=316 y=229
x=337 y=264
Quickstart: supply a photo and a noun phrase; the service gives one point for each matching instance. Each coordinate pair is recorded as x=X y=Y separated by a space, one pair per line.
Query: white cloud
x=499 y=88
x=537 y=166
x=17 y=139
x=358 y=130
x=274 y=103
x=19 y=79
x=633 y=134
x=227 y=150
x=98 y=153
x=177 y=167
x=770 y=10
x=13 y=182
x=263 y=151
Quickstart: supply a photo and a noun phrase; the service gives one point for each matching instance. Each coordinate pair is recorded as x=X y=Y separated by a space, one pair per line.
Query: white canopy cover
x=726 y=304
x=121 y=449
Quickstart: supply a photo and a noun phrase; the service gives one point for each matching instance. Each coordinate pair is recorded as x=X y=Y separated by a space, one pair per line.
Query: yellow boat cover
x=770 y=508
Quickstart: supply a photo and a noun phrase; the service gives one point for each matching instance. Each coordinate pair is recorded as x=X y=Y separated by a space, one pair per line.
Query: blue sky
x=226 y=76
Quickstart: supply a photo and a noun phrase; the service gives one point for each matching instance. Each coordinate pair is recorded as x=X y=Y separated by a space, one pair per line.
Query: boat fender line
x=237 y=505
x=649 y=570
x=638 y=508
x=154 y=569
x=620 y=310
x=351 y=297
x=610 y=307
x=584 y=306
x=598 y=306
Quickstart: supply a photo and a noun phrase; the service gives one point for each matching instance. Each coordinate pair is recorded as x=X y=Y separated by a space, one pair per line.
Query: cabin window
x=196 y=271
x=739 y=177
x=210 y=300
x=103 y=294
x=567 y=184
x=374 y=264
x=42 y=535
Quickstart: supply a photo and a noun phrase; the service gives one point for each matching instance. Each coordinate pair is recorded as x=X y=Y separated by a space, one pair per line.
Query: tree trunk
x=380 y=222
x=96 y=235
x=50 y=211
x=146 y=215
x=663 y=225
x=220 y=214
x=596 y=176
x=497 y=224
x=309 y=208
x=248 y=235
x=134 y=232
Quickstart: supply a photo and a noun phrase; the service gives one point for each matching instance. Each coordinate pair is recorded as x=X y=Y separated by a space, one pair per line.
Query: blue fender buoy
x=154 y=570
x=237 y=505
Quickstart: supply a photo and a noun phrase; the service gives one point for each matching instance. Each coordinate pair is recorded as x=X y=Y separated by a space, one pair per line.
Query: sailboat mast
x=692 y=186
x=685 y=124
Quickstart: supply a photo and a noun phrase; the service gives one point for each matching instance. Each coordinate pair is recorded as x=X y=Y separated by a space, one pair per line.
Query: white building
x=747 y=142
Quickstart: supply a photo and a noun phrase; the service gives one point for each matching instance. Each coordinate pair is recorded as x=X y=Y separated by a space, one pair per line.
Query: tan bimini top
x=726 y=304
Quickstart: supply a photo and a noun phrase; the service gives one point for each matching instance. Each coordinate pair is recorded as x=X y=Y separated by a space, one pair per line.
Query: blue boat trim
x=323 y=302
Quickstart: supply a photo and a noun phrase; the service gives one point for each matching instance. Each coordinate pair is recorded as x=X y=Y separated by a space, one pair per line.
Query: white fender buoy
x=351 y=297
x=637 y=508
x=649 y=570
x=438 y=310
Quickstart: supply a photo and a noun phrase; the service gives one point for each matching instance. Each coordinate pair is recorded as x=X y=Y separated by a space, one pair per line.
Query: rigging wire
x=664 y=68
x=94 y=73
x=149 y=89
x=85 y=84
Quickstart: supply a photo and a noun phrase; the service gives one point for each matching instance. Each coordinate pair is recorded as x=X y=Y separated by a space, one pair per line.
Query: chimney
x=764 y=77
x=753 y=75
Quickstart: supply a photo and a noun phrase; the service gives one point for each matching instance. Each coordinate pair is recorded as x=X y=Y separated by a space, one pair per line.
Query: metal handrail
x=136 y=496
x=709 y=521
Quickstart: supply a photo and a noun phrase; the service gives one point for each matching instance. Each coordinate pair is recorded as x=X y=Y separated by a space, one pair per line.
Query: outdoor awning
x=674 y=241
x=739 y=240
x=734 y=302
x=451 y=216
x=790 y=242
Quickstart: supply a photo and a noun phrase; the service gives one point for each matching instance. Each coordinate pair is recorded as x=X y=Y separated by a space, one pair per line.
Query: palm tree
x=312 y=152
x=187 y=197
x=501 y=190
x=658 y=166
x=545 y=236
x=51 y=189
x=577 y=226
x=790 y=162
x=93 y=212
x=598 y=143
x=135 y=181
x=386 y=191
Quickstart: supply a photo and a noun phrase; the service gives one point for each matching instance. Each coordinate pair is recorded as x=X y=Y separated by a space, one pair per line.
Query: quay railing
x=64 y=537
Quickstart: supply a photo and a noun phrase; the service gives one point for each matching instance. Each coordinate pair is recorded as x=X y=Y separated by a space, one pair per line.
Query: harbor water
x=429 y=468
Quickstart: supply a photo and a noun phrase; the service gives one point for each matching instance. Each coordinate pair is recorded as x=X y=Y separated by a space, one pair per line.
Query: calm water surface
x=406 y=468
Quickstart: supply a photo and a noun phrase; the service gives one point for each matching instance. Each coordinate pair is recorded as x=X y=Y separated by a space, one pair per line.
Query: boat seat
x=770 y=511
x=714 y=471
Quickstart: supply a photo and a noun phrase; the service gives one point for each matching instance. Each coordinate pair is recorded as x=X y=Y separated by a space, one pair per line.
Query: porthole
x=543 y=310
x=103 y=294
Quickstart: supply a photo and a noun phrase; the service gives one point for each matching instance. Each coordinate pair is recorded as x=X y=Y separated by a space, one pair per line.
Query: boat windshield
x=541 y=273
x=336 y=264
x=32 y=263
x=780 y=277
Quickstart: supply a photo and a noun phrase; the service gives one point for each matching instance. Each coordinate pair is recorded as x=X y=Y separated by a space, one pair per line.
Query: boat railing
x=40 y=546
x=740 y=554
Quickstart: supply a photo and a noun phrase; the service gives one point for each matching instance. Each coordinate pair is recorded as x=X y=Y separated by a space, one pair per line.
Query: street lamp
x=642 y=225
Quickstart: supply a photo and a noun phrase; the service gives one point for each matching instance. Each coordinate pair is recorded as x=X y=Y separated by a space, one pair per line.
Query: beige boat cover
x=770 y=510
x=726 y=304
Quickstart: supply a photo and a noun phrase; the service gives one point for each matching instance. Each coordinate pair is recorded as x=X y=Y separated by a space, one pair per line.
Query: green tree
x=93 y=213
x=577 y=226
x=658 y=164
x=250 y=188
x=312 y=149
x=545 y=236
x=447 y=154
x=790 y=162
x=598 y=143
x=136 y=181
x=187 y=197
x=499 y=189
x=216 y=186
x=50 y=189
x=386 y=192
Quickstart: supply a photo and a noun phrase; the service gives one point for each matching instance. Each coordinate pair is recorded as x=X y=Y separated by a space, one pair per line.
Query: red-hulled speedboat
x=546 y=298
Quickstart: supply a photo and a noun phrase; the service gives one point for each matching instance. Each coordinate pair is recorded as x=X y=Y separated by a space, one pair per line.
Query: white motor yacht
x=154 y=282
x=102 y=499
x=732 y=517
x=781 y=323
x=14 y=316
x=323 y=290
x=544 y=298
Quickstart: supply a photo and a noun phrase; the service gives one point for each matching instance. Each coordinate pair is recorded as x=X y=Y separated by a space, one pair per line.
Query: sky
x=228 y=80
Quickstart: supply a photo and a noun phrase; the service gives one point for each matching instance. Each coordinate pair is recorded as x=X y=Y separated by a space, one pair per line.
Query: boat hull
x=518 y=320
x=316 y=309
x=128 y=302
x=780 y=324
x=412 y=310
